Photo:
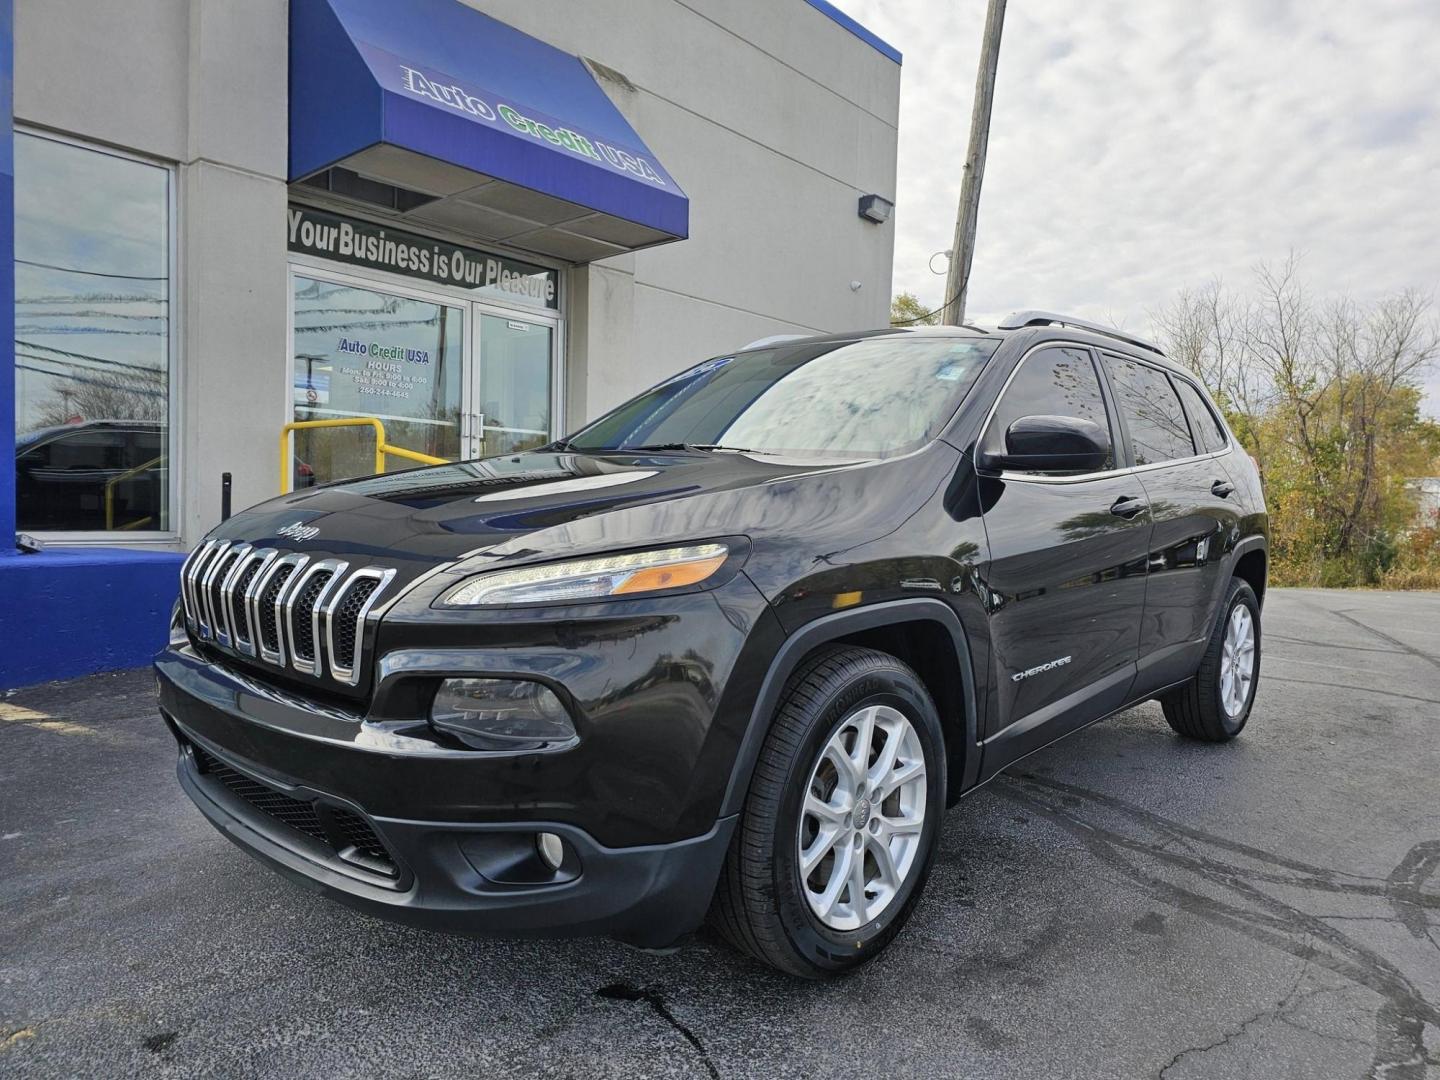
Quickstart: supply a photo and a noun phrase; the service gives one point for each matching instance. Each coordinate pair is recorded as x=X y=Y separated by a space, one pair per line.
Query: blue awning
x=483 y=128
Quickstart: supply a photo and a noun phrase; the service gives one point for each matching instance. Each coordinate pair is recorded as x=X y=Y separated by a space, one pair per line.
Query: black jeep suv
x=734 y=647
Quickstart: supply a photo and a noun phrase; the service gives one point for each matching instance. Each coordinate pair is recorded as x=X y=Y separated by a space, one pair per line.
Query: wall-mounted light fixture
x=874 y=208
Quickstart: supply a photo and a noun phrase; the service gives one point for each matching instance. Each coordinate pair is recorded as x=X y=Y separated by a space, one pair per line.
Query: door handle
x=1127 y=506
x=1222 y=488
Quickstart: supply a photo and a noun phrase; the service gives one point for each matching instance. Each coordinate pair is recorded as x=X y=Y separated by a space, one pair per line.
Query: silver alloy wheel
x=1237 y=661
x=863 y=814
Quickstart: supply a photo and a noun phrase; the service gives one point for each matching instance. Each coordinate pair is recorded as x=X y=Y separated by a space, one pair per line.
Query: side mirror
x=1052 y=444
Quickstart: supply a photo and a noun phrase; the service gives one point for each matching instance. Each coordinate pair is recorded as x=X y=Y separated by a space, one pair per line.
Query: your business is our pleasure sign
x=363 y=243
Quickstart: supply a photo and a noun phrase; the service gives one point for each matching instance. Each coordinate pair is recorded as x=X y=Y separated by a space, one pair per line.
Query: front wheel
x=841 y=822
x=1214 y=706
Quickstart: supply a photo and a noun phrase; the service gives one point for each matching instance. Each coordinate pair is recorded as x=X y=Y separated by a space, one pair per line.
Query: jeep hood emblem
x=297 y=530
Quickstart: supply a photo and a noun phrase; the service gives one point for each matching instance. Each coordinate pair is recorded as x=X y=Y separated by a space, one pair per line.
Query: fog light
x=502 y=714
x=551 y=849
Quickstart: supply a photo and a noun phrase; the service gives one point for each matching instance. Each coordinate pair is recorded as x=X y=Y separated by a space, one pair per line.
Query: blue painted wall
x=75 y=611
x=7 y=281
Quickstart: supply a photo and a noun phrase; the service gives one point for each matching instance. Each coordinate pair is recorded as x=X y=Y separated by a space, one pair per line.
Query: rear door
x=1066 y=580
x=1194 y=506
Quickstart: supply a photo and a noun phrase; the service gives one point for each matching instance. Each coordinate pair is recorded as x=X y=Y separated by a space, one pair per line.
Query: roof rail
x=1017 y=320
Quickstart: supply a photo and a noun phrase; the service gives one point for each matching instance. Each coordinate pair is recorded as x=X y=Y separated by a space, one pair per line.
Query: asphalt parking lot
x=1123 y=905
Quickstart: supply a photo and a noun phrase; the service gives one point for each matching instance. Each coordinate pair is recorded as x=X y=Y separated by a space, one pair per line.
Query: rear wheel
x=835 y=841
x=1215 y=705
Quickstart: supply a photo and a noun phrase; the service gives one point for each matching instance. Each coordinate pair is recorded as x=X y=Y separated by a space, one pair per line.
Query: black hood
x=542 y=504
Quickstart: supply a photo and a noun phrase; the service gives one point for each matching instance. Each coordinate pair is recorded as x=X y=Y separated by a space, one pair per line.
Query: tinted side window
x=1152 y=412
x=1208 y=428
x=1051 y=382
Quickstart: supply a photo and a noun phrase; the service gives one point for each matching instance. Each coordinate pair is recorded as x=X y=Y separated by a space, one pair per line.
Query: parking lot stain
x=1151 y=923
x=987 y=1034
x=158 y=1044
x=15 y=1038
x=622 y=991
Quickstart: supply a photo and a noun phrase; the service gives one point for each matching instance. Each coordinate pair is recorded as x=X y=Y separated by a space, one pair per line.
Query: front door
x=1066 y=577
x=512 y=386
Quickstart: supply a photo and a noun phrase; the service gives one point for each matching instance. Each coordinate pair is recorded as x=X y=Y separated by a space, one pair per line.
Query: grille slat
x=303 y=622
x=269 y=620
x=344 y=621
x=215 y=594
x=240 y=630
x=348 y=833
x=195 y=584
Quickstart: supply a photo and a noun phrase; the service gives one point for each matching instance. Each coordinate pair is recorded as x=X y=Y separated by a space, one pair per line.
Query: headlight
x=588 y=579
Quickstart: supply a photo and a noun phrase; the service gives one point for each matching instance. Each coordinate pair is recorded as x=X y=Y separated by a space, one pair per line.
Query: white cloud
x=1137 y=149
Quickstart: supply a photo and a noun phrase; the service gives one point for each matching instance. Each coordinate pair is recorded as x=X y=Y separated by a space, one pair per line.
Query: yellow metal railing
x=382 y=448
x=110 y=493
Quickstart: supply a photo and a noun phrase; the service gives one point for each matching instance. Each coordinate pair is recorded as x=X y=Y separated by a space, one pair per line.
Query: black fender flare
x=830 y=628
x=1244 y=546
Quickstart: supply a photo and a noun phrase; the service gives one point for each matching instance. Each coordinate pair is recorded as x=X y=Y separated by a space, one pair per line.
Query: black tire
x=1196 y=710
x=760 y=905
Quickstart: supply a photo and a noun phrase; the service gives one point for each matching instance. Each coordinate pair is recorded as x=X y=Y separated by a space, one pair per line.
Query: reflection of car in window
x=92 y=475
x=733 y=648
x=98 y=475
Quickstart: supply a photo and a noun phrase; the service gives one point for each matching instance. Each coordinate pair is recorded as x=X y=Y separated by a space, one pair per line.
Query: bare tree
x=1327 y=386
x=101 y=396
x=1208 y=330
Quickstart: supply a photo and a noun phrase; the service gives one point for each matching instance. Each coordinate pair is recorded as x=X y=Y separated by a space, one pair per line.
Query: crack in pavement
x=1399 y=1051
x=622 y=991
x=1278 y=1011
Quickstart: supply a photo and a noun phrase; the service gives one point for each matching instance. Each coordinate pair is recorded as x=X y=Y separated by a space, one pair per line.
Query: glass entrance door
x=512 y=385
x=448 y=376
x=362 y=352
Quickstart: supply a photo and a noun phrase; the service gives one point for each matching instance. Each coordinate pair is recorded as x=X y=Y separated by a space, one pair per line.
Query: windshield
x=860 y=399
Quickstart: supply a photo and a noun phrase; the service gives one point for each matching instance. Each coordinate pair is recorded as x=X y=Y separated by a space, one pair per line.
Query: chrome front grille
x=285 y=609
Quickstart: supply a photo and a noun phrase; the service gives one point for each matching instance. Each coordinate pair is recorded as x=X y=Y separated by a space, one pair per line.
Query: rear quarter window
x=1208 y=428
x=1153 y=417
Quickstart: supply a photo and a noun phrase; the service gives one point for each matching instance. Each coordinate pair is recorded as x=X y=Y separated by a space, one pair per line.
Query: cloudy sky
x=1137 y=148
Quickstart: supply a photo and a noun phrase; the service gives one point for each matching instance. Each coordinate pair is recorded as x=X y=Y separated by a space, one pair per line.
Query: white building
x=479 y=222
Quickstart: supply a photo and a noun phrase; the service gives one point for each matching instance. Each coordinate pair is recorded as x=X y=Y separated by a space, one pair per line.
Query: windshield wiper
x=690 y=448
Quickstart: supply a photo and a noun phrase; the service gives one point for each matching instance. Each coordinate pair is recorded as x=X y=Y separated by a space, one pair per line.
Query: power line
x=93 y=273
x=83 y=356
x=931 y=314
x=143 y=369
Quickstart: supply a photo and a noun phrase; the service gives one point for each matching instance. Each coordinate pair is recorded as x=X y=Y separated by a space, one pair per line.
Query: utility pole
x=963 y=249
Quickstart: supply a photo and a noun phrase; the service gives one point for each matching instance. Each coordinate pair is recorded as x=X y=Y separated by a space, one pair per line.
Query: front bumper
x=648 y=896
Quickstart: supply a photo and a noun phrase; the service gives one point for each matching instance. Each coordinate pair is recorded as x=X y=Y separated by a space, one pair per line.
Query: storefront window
x=92 y=339
x=365 y=353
